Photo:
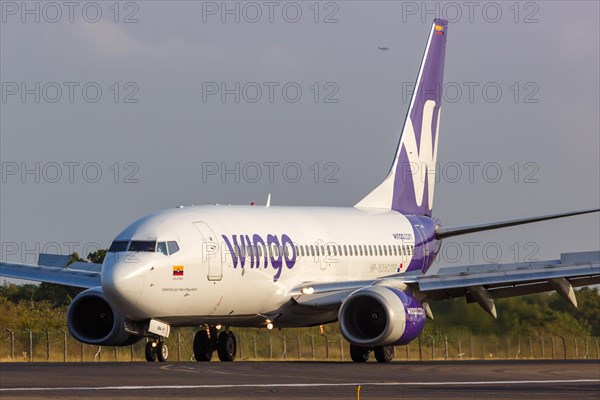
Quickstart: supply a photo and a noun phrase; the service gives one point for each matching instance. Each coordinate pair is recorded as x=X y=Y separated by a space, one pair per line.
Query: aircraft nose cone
x=122 y=283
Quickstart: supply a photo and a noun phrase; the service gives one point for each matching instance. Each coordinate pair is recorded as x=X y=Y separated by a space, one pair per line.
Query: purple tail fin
x=409 y=187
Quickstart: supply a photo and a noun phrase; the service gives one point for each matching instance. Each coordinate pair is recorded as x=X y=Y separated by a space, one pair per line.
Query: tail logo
x=420 y=166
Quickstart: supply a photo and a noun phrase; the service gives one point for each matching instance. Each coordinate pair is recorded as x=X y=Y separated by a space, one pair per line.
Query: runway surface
x=304 y=380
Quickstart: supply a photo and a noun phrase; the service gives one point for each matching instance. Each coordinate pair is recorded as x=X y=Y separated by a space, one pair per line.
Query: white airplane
x=251 y=266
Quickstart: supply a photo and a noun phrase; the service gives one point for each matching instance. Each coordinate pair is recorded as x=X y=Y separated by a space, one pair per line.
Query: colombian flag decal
x=178 y=270
x=439 y=30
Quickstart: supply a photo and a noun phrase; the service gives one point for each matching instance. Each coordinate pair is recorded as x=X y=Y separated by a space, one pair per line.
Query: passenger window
x=361 y=249
x=302 y=250
x=161 y=247
x=340 y=249
x=312 y=250
x=173 y=247
x=370 y=250
x=334 y=250
x=395 y=251
x=345 y=250
x=355 y=250
x=350 y=249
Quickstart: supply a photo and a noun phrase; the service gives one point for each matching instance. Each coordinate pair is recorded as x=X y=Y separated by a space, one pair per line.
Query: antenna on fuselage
x=268 y=201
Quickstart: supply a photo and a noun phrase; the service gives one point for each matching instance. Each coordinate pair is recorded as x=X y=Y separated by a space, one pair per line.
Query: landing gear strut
x=206 y=341
x=156 y=349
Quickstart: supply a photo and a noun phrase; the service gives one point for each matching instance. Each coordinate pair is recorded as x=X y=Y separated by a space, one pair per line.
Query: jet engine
x=381 y=316
x=92 y=320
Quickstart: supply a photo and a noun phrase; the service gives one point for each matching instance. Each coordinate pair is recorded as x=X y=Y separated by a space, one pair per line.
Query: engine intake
x=92 y=320
x=381 y=316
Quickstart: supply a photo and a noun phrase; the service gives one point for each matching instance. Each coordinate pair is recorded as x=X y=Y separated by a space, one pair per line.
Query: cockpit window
x=142 y=245
x=118 y=245
x=161 y=247
x=173 y=247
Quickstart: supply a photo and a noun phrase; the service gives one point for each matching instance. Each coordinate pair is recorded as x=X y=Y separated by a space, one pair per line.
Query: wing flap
x=578 y=268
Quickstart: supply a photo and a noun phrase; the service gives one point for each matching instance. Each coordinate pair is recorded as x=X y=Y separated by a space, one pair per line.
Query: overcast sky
x=307 y=89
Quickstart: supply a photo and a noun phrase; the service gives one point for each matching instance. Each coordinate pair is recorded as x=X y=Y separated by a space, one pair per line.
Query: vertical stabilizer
x=410 y=183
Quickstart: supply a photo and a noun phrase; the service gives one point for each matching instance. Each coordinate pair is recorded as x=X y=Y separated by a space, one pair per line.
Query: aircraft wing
x=478 y=283
x=53 y=268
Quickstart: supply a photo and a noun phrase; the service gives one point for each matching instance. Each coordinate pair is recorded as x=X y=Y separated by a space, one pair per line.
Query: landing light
x=218 y=326
x=269 y=326
x=308 y=290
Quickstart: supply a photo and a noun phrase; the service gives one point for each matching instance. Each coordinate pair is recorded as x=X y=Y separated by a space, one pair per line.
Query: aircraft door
x=421 y=240
x=211 y=256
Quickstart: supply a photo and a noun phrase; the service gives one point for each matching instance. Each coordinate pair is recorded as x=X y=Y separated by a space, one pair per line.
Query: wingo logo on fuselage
x=243 y=248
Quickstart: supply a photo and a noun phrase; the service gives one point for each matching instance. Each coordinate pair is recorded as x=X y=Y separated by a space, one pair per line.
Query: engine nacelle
x=381 y=316
x=92 y=320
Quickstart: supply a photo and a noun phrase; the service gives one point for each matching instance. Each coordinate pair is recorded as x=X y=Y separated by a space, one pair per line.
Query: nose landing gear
x=206 y=341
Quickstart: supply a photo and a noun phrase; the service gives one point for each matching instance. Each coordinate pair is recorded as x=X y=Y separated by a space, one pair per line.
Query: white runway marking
x=294 y=385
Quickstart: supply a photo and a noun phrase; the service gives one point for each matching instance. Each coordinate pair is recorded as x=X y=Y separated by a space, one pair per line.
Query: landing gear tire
x=384 y=354
x=162 y=351
x=203 y=349
x=150 y=352
x=227 y=346
x=359 y=353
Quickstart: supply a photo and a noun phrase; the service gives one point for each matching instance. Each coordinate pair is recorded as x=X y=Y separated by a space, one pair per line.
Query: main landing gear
x=383 y=354
x=156 y=349
x=208 y=340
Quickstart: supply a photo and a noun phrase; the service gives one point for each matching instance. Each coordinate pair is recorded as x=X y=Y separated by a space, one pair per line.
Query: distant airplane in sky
x=383 y=48
x=217 y=267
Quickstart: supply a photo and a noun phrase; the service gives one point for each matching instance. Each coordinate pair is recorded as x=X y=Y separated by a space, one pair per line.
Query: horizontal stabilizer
x=443 y=233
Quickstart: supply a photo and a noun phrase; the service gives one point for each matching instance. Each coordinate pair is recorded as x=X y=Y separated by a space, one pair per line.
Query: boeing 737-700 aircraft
x=248 y=266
